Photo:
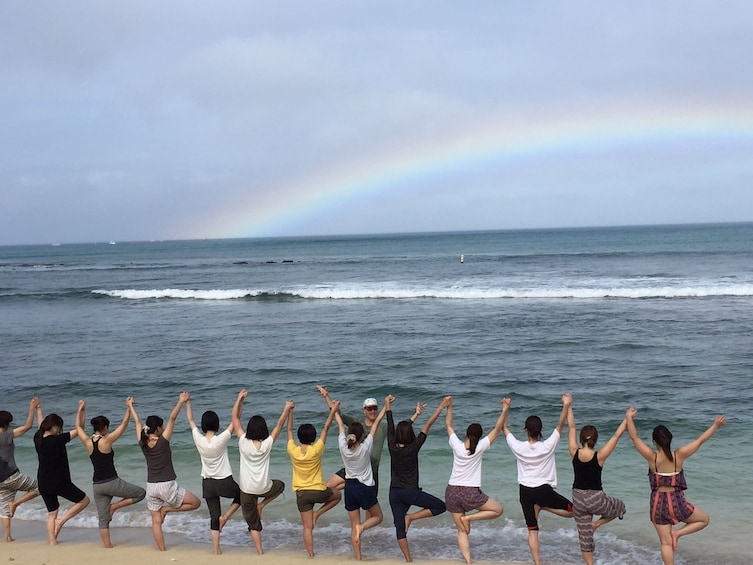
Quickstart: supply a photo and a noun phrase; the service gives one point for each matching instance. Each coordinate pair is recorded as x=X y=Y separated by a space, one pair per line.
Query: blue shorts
x=359 y=495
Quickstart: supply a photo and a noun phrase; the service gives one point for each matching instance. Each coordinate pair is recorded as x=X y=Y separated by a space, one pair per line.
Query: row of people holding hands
x=360 y=442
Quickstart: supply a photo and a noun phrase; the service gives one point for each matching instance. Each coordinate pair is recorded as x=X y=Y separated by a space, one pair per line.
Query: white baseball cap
x=370 y=402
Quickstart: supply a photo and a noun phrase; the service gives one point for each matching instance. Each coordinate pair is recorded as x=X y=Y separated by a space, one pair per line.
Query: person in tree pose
x=106 y=483
x=12 y=480
x=405 y=491
x=666 y=476
x=163 y=494
x=588 y=495
x=463 y=493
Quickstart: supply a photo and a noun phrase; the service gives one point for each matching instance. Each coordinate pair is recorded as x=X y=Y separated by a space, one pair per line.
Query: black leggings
x=212 y=490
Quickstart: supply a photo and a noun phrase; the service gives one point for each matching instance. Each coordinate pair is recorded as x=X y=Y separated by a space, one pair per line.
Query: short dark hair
x=404 y=433
x=307 y=434
x=257 y=428
x=210 y=421
x=533 y=427
x=5 y=418
x=99 y=423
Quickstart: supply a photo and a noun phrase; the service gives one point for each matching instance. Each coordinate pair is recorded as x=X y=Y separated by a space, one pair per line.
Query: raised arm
x=646 y=452
x=382 y=412
x=689 y=449
x=506 y=403
x=608 y=447
x=281 y=420
x=289 y=424
x=435 y=415
x=567 y=400
x=500 y=423
x=80 y=427
x=420 y=407
x=448 y=416
x=114 y=435
x=40 y=415
x=135 y=416
x=237 y=411
x=390 y=422
x=325 y=395
x=340 y=423
x=189 y=415
x=334 y=408
x=26 y=426
x=572 y=442
x=182 y=399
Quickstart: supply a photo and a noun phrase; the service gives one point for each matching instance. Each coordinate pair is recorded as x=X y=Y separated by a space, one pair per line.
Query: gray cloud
x=129 y=121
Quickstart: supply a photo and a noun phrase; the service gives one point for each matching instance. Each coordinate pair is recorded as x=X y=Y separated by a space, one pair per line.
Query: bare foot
x=466 y=524
x=112 y=510
x=9 y=539
x=675 y=539
x=58 y=527
x=12 y=508
x=259 y=508
x=359 y=531
x=408 y=521
x=163 y=512
x=223 y=521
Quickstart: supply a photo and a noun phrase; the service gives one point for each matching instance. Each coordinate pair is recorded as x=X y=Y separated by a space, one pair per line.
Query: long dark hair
x=663 y=438
x=49 y=422
x=473 y=435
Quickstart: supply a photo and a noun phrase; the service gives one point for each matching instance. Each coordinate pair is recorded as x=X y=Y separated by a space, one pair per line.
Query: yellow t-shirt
x=307 y=467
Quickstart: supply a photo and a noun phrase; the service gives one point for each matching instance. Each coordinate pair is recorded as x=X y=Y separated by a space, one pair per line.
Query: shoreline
x=135 y=544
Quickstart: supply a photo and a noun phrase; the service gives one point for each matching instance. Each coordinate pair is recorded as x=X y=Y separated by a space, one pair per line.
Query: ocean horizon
x=658 y=317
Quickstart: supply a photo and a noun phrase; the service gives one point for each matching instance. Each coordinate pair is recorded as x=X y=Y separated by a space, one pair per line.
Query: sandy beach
x=81 y=546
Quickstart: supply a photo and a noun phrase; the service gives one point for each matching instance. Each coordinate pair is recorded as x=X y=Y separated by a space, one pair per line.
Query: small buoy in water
x=462 y=258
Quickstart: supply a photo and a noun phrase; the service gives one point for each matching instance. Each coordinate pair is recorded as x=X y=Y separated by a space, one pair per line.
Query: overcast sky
x=171 y=119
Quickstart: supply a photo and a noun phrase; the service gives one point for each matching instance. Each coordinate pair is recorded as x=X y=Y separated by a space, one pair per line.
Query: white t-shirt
x=466 y=467
x=214 y=460
x=254 y=469
x=536 y=464
x=357 y=461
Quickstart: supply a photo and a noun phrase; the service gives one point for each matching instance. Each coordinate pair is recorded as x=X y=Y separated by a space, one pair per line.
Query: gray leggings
x=104 y=493
x=586 y=503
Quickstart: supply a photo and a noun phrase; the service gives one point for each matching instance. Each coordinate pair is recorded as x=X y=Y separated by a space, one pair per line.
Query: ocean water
x=658 y=317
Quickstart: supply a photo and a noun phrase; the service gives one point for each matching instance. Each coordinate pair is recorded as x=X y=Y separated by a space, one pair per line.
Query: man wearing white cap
x=370 y=411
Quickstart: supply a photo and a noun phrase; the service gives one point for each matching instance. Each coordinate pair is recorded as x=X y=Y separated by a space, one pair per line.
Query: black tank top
x=104 y=464
x=588 y=474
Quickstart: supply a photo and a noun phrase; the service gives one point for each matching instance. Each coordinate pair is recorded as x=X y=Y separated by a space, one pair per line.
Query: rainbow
x=498 y=141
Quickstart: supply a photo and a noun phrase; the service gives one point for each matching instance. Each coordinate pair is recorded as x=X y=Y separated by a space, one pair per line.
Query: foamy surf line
x=451 y=293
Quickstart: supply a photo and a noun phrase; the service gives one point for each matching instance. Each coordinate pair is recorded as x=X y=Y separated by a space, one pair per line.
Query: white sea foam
x=454 y=292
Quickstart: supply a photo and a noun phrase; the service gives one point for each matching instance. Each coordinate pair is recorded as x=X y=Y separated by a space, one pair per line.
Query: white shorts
x=10 y=486
x=168 y=493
